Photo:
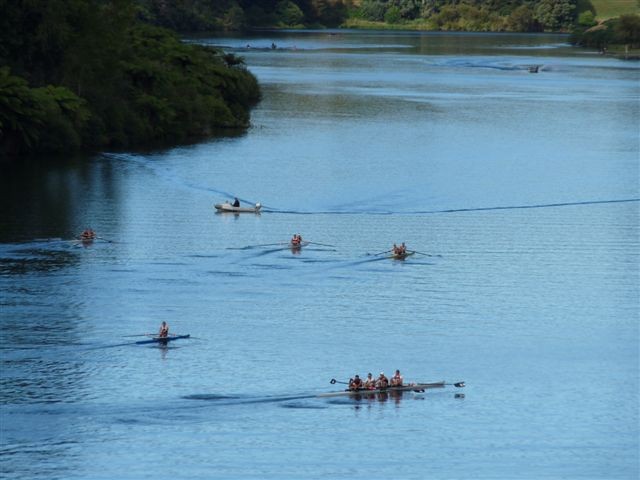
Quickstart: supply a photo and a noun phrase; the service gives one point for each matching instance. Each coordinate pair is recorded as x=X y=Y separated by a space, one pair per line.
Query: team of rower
x=379 y=383
x=296 y=240
x=88 y=234
x=399 y=249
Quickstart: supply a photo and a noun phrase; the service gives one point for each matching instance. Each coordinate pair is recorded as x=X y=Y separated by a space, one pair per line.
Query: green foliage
x=46 y=118
x=117 y=82
x=392 y=15
x=289 y=13
x=617 y=31
x=522 y=19
x=373 y=10
x=627 y=30
x=587 y=19
x=555 y=15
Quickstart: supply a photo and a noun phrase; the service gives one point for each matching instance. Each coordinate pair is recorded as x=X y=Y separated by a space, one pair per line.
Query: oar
x=105 y=240
x=268 y=244
x=334 y=381
x=323 y=244
x=376 y=254
x=426 y=254
x=138 y=335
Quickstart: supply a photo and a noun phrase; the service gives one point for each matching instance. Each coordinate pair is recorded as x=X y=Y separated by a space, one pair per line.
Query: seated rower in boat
x=399 y=250
x=397 y=380
x=236 y=202
x=88 y=234
x=370 y=382
x=296 y=240
x=355 y=383
x=382 y=381
x=164 y=330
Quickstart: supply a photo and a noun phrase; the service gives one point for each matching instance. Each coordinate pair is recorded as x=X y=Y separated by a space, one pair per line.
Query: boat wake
x=451 y=210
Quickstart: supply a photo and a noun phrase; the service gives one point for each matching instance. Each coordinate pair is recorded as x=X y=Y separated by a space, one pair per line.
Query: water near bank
x=523 y=187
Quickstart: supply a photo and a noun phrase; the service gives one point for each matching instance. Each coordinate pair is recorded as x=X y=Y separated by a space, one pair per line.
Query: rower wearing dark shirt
x=164 y=330
x=356 y=383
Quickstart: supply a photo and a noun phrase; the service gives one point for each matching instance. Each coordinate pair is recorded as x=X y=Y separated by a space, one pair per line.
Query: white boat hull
x=227 y=207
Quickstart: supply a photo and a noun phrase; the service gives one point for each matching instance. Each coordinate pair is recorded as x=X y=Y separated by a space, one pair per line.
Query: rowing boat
x=401 y=256
x=227 y=207
x=297 y=246
x=161 y=340
x=418 y=387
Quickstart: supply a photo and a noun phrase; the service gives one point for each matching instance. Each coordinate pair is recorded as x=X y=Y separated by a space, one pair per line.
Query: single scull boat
x=162 y=340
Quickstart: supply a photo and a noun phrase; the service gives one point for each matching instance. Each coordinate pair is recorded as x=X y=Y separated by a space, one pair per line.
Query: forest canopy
x=477 y=15
x=89 y=74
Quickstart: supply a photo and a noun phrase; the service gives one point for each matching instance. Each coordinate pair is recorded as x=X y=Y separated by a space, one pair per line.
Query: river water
x=519 y=189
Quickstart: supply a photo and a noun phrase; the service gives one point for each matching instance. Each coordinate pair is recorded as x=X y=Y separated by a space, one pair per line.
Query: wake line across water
x=450 y=210
x=167 y=174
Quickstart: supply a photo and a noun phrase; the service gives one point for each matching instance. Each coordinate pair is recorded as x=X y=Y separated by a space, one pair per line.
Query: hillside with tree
x=88 y=74
x=451 y=15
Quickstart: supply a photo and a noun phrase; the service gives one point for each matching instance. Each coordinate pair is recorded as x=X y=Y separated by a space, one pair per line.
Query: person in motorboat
x=369 y=382
x=382 y=381
x=397 y=380
x=164 y=330
x=236 y=202
x=355 y=383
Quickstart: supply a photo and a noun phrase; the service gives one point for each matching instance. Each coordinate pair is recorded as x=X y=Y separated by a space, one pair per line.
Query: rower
x=296 y=240
x=397 y=380
x=395 y=249
x=370 y=382
x=355 y=383
x=164 y=330
x=382 y=381
x=236 y=202
x=88 y=234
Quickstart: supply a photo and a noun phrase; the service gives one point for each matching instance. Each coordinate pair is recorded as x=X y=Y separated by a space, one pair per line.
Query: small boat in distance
x=534 y=68
x=161 y=340
x=228 y=207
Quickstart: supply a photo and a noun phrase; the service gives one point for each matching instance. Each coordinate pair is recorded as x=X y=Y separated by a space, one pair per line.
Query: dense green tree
x=289 y=13
x=555 y=15
x=587 y=19
x=522 y=19
x=373 y=10
x=627 y=31
x=87 y=74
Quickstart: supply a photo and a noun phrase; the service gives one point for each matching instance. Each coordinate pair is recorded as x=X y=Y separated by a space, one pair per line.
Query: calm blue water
x=522 y=189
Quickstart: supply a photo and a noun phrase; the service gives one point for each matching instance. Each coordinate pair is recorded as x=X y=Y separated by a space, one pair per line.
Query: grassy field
x=612 y=8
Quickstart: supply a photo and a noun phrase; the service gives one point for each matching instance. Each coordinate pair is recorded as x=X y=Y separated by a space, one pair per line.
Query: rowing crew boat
x=227 y=207
x=161 y=340
x=417 y=387
x=296 y=246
